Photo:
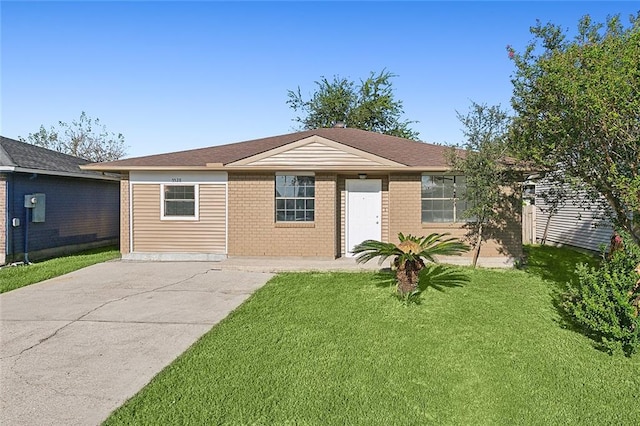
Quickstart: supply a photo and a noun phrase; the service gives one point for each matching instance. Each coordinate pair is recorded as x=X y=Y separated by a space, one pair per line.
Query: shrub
x=409 y=257
x=604 y=300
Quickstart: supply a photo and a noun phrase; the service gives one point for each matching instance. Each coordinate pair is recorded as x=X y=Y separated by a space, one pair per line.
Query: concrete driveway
x=74 y=348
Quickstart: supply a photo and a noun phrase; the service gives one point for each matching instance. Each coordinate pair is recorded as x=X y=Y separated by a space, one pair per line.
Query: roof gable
x=350 y=146
x=315 y=152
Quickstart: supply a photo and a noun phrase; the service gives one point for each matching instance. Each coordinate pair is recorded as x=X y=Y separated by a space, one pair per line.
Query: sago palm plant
x=410 y=255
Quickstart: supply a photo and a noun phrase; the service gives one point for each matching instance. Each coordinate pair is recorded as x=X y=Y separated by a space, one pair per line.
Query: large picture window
x=179 y=202
x=441 y=198
x=295 y=198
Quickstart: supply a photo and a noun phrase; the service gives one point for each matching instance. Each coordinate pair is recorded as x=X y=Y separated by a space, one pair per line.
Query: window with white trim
x=180 y=202
x=295 y=198
x=441 y=198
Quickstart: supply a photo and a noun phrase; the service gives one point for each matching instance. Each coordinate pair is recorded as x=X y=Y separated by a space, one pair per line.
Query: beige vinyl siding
x=206 y=235
x=125 y=247
x=314 y=154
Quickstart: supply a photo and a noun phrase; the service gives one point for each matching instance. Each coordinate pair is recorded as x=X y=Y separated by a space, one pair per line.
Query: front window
x=295 y=198
x=441 y=198
x=179 y=202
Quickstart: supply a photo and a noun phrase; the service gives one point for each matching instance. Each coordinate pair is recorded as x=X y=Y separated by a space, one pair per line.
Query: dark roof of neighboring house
x=403 y=151
x=22 y=155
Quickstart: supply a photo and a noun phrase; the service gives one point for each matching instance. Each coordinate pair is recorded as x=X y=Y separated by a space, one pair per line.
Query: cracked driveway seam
x=74 y=348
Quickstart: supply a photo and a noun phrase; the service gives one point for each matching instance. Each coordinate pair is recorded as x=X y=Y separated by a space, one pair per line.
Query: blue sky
x=179 y=75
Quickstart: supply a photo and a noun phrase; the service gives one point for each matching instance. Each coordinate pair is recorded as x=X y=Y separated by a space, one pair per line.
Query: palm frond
x=370 y=249
x=410 y=248
x=436 y=244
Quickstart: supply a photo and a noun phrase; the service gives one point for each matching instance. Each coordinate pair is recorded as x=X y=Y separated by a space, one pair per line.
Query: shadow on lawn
x=557 y=265
x=439 y=277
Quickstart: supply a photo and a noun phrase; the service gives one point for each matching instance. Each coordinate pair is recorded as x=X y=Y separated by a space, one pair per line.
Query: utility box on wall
x=35 y=202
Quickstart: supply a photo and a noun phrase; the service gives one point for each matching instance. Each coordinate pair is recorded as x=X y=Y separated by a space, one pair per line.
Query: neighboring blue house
x=79 y=209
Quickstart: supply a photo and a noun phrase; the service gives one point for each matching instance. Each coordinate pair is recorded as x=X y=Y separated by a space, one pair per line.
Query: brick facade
x=252 y=230
x=505 y=238
x=404 y=205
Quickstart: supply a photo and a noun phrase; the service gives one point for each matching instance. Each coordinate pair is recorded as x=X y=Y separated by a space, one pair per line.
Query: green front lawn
x=338 y=348
x=12 y=277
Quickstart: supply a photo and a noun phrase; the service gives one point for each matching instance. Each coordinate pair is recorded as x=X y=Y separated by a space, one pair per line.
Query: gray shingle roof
x=18 y=154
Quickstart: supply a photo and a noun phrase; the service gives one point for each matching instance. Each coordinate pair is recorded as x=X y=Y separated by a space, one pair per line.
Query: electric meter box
x=35 y=202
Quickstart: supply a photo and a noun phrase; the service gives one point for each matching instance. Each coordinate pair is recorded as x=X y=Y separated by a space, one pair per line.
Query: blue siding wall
x=78 y=211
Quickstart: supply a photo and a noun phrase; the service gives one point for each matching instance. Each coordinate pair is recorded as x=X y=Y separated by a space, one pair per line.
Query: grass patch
x=12 y=277
x=338 y=348
x=557 y=264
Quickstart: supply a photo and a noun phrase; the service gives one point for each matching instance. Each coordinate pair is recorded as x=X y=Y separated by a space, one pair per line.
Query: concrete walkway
x=284 y=264
x=290 y=264
x=74 y=348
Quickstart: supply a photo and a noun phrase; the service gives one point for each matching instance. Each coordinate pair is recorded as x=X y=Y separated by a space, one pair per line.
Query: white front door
x=364 y=211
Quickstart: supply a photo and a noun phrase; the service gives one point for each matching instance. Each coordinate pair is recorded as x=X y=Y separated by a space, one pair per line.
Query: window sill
x=295 y=225
x=180 y=218
x=443 y=225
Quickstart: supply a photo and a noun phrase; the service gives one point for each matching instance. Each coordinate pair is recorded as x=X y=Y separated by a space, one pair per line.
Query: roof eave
x=117 y=169
x=217 y=167
x=15 y=169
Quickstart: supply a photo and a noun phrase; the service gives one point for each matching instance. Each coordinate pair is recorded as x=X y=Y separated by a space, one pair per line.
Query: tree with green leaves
x=85 y=138
x=487 y=174
x=369 y=105
x=577 y=103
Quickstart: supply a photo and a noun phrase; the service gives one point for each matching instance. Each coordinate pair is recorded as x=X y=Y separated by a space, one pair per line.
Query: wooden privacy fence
x=528 y=224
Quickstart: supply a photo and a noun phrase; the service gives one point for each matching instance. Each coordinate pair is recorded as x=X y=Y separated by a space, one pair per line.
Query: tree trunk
x=546 y=230
x=476 y=252
x=407 y=276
